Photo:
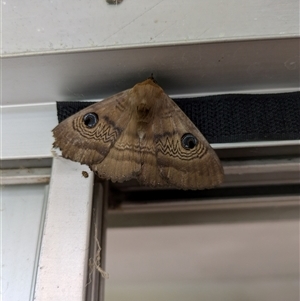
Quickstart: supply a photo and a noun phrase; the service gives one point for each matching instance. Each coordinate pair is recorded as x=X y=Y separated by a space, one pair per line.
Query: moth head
x=147 y=90
x=90 y=119
x=189 y=141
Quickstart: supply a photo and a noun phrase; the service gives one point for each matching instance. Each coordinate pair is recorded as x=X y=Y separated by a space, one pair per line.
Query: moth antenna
x=152 y=78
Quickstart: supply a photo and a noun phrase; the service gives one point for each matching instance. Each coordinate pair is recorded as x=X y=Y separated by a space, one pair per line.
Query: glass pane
x=228 y=262
x=23 y=209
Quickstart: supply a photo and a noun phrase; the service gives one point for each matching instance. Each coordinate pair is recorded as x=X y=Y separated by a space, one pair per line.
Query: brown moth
x=141 y=134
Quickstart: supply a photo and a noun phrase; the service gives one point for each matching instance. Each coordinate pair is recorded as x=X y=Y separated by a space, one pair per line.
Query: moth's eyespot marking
x=90 y=119
x=188 y=141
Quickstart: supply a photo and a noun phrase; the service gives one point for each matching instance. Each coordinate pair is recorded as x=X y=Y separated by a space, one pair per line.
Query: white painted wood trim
x=29 y=27
x=25 y=176
x=62 y=271
x=33 y=139
x=97 y=277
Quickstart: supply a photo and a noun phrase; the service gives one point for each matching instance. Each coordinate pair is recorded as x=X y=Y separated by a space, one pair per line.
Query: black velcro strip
x=233 y=117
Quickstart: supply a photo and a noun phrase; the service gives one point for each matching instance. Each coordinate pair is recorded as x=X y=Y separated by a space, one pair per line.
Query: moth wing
x=123 y=162
x=150 y=174
x=196 y=168
x=91 y=145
